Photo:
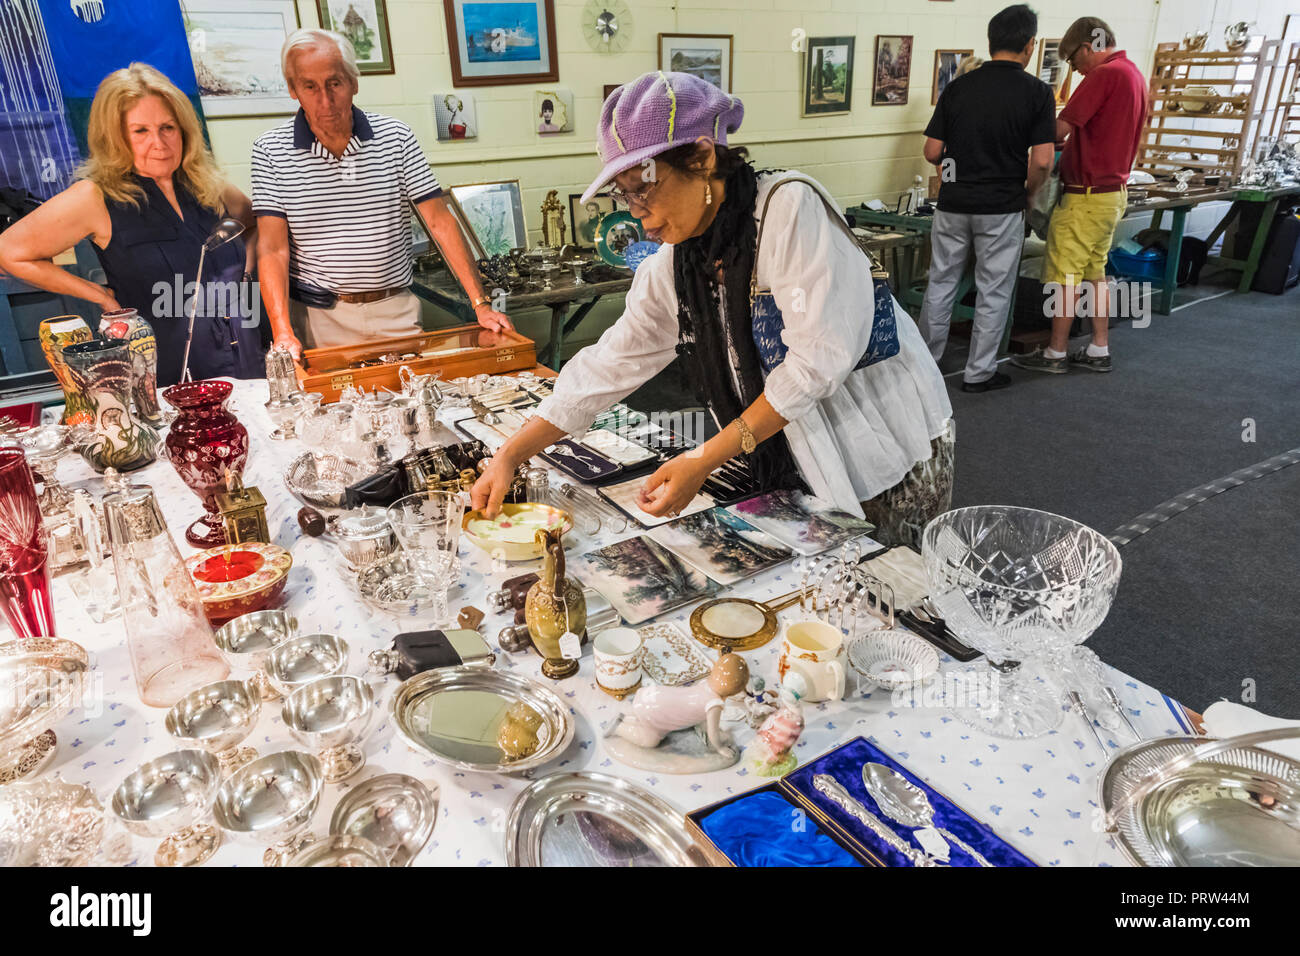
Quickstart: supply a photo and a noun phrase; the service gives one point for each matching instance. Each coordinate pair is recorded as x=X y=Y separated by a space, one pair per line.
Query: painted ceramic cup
x=618 y=660
x=56 y=334
x=810 y=654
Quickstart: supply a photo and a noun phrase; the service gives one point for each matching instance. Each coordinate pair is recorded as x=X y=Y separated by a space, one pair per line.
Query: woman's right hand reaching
x=492 y=486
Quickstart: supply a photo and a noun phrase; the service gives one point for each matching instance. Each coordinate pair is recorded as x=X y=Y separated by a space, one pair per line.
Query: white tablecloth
x=1038 y=794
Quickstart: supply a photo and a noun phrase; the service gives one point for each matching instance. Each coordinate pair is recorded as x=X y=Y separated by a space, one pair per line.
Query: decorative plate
x=235 y=579
x=670 y=657
x=514 y=530
x=616 y=232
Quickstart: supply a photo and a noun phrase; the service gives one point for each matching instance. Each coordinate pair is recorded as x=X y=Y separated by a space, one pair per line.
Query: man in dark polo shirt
x=992 y=136
x=1101 y=125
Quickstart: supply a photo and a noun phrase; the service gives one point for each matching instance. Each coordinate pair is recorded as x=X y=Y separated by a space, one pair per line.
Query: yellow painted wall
x=872 y=152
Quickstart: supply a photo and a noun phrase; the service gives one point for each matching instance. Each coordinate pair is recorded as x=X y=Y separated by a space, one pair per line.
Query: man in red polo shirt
x=1101 y=126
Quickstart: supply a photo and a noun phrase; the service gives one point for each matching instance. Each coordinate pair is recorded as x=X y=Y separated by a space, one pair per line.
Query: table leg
x=1257 y=247
x=555 y=344
x=1165 y=299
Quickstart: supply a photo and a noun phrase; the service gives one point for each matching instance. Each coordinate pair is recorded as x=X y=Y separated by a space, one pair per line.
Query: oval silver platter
x=591 y=819
x=320 y=479
x=454 y=714
x=393 y=811
x=1238 y=808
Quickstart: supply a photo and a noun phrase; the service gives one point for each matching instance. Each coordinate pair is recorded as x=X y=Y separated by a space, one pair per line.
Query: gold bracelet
x=747 y=441
x=482 y=301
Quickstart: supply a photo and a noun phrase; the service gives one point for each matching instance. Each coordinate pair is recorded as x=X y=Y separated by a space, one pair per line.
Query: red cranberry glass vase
x=204 y=445
x=24 y=569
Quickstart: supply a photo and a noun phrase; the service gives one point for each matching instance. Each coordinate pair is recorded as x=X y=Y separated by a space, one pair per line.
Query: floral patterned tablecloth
x=1038 y=794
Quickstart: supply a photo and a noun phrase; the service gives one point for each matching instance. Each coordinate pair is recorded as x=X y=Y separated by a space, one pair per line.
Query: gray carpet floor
x=1209 y=603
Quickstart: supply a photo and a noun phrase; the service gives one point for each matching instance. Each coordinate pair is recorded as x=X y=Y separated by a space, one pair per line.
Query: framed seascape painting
x=495 y=211
x=946 y=63
x=365 y=23
x=893 y=70
x=235 y=46
x=501 y=42
x=706 y=55
x=828 y=76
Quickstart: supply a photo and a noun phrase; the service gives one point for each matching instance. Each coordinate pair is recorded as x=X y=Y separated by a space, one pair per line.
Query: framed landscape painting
x=828 y=76
x=706 y=55
x=235 y=46
x=495 y=211
x=893 y=70
x=501 y=42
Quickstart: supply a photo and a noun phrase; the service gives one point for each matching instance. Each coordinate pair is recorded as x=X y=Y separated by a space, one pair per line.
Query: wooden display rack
x=449 y=353
x=1285 y=125
x=1222 y=136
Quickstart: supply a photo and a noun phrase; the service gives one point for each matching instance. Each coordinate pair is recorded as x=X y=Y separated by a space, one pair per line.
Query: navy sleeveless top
x=151 y=261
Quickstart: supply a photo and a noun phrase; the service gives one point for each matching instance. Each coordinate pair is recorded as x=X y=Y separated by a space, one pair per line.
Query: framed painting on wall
x=893 y=70
x=946 y=63
x=235 y=46
x=365 y=23
x=586 y=217
x=501 y=42
x=495 y=211
x=1054 y=71
x=828 y=76
x=706 y=55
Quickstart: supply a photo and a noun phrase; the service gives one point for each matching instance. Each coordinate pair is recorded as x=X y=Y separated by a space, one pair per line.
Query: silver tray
x=1237 y=808
x=393 y=811
x=321 y=479
x=591 y=819
x=425 y=708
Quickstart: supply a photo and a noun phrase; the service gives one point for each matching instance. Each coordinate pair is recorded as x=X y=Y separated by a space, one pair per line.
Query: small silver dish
x=331 y=715
x=168 y=797
x=303 y=659
x=272 y=800
x=395 y=812
x=395 y=586
x=363 y=537
x=246 y=640
x=217 y=718
x=321 y=478
x=340 y=851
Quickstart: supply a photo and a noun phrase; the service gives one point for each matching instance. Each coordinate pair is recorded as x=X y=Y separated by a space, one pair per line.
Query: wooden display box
x=449 y=353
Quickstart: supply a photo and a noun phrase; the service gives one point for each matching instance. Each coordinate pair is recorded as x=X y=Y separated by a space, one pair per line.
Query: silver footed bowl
x=246 y=641
x=217 y=717
x=272 y=800
x=303 y=659
x=331 y=715
x=169 y=796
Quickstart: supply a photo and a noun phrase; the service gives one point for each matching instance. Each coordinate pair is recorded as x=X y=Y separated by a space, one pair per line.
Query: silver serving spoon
x=905 y=803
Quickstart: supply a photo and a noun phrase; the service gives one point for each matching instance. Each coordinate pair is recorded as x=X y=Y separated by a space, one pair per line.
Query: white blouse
x=853 y=434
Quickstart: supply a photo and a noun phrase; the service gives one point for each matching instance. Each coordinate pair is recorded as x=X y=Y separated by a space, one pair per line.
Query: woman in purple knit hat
x=761 y=288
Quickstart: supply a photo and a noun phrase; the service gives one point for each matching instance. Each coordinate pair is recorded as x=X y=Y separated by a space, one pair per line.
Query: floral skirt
x=901 y=513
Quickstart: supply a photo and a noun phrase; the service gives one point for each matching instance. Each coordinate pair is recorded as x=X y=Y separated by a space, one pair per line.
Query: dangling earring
x=708 y=194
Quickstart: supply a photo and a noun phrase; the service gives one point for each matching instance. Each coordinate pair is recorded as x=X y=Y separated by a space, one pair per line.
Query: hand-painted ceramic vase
x=56 y=334
x=555 y=605
x=206 y=442
x=127 y=325
x=103 y=370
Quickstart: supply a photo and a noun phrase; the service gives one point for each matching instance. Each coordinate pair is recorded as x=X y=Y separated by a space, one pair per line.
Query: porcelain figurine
x=517 y=735
x=658 y=711
x=771 y=754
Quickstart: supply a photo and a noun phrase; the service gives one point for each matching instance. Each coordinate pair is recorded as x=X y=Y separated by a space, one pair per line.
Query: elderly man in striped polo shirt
x=332 y=190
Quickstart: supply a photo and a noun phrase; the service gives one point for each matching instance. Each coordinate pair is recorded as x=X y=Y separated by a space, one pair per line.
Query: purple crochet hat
x=657 y=112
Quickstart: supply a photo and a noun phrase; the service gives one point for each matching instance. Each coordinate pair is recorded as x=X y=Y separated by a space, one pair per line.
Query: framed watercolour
x=893 y=70
x=706 y=55
x=586 y=217
x=501 y=42
x=828 y=76
x=453 y=114
x=946 y=63
x=495 y=212
x=365 y=23
x=235 y=46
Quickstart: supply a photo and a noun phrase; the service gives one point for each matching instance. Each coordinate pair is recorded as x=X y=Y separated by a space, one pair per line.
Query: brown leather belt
x=362 y=298
x=1088 y=189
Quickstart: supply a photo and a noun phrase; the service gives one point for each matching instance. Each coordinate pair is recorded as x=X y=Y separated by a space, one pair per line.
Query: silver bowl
x=246 y=640
x=321 y=478
x=167 y=797
x=217 y=717
x=303 y=659
x=272 y=800
x=364 y=537
x=341 y=851
x=395 y=812
x=331 y=715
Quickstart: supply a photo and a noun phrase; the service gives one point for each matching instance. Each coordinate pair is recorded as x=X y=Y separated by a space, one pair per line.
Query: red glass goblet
x=24 y=569
x=205 y=444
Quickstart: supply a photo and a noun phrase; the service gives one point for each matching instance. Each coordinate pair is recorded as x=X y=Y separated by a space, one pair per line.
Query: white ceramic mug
x=618 y=659
x=812 y=650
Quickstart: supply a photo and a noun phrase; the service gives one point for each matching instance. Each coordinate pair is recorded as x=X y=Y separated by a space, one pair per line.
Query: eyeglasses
x=639 y=196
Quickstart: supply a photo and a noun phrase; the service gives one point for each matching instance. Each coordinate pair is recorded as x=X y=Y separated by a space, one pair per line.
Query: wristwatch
x=747 y=442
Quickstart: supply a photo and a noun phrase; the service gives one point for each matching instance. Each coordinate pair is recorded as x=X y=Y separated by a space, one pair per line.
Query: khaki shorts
x=348 y=323
x=1079 y=236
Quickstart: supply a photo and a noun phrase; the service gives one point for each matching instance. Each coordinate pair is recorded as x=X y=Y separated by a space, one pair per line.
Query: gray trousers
x=996 y=240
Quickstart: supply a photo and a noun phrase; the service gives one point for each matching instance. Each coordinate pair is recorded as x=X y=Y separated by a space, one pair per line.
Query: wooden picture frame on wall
x=946 y=64
x=830 y=60
x=891 y=69
x=709 y=56
x=490 y=43
x=235 y=48
x=365 y=24
x=1052 y=70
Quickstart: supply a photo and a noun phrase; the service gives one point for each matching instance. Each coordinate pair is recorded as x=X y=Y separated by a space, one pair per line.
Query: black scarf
x=727 y=245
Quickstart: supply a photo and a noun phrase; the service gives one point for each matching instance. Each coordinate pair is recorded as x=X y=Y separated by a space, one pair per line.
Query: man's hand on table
x=493 y=320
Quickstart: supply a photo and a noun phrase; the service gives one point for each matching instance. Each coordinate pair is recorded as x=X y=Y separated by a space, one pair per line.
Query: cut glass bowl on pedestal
x=1024 y=587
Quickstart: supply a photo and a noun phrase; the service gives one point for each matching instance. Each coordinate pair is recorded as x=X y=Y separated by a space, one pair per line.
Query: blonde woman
x=148 y=196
